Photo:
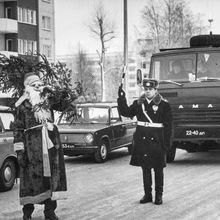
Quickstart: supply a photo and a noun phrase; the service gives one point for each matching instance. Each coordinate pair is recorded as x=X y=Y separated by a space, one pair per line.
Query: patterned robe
x=35 y=187
x=150 y=143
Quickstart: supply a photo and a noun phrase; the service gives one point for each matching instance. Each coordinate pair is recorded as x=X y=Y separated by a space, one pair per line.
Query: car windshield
x=185 y=67
x=6 y=120
x=85 y=114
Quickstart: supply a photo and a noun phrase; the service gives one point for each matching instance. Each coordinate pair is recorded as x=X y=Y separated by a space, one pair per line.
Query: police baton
x=120 y=90
x=123 y=76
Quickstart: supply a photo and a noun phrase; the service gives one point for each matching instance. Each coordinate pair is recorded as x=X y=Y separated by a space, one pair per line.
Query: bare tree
x=102 y=28
x=170 y=24
x=85 y=75
x=114 y=66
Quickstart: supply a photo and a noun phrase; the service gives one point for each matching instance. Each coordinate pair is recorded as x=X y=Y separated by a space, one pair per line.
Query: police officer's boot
x=27 y=211
x=158 y=199
x=158 y=186
x=147 y=179
x=25 y=217
x=49 y=208
x=146 y=198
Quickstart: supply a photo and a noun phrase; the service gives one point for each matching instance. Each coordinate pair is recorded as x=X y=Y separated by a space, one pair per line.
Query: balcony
x=9 y=53
x=8 y=0
x=8 y=25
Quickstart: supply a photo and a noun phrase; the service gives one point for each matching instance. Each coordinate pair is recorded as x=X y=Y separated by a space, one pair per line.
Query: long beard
x=41 y=114
x=34 y=96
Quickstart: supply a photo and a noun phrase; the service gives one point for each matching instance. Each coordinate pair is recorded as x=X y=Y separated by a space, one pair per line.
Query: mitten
x=121 y=92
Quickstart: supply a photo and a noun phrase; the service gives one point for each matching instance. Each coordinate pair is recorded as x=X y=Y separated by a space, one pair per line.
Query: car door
x=123 y=128
x=130 y=126
x=118 y=129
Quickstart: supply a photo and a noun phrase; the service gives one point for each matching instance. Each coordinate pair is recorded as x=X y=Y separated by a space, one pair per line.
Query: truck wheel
x=131 y=148
x=102 y=153
x=7 y=175
x=171 y=154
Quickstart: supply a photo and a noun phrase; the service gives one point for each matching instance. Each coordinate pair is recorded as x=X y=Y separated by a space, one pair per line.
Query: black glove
x=121 y=92
x=47 y=90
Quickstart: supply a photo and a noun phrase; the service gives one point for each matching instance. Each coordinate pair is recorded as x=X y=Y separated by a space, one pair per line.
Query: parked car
x=96 y=129
x=8 y=160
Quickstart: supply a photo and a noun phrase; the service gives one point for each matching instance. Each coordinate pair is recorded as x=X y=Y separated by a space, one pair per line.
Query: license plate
x=195 y=133
x=68 y=145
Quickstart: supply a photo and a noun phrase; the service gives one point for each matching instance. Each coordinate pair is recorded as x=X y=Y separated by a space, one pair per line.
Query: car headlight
x=89 y=138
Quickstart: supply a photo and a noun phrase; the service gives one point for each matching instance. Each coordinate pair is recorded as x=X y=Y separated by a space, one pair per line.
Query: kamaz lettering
x=196 y=106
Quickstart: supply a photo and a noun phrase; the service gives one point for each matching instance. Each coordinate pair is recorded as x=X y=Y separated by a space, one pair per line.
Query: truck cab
x=190 y=80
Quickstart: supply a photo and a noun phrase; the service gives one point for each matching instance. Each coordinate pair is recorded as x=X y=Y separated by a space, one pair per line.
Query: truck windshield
x=183 y=67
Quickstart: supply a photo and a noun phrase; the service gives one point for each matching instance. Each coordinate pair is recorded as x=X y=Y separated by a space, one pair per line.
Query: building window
x=131 y=61
x=9 y=45
x=8 y=12
x=27 y=46
x=34 y=43
x=26 y=16
x=20 y=46
x=132 y=68
x=132 y=76
x=47 y=50
x=19 y=14
x=33 y=17
x=46 y=1
x=132 y=84
x=144 y=65
x=46 y=23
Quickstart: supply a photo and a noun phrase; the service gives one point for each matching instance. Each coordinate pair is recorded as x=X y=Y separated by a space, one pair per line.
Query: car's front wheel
x=7 y=175
x=102 y=153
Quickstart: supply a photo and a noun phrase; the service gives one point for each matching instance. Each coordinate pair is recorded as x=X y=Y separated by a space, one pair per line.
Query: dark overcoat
x=34 y=186
x=150 y=143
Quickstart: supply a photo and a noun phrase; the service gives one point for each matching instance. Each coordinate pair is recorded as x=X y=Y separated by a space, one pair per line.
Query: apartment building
x=27 y=27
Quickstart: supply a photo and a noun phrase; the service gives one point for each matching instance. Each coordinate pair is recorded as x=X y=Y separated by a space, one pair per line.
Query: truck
x=189 y=79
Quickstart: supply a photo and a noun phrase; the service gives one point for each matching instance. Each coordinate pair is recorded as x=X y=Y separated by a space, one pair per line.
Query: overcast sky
x=73 y=16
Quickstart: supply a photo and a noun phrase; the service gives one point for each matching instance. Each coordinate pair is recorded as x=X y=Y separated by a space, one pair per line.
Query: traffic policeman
x=152 y=135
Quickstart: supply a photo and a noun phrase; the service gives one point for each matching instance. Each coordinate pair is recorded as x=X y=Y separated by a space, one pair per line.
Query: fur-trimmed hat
x=30 y=78
x=152 y=83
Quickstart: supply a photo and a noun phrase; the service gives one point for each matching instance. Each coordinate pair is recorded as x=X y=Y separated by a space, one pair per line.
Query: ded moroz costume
x=152 y=135
x=39 y=151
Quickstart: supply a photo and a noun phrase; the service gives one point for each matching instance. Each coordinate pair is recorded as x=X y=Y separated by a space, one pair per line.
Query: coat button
x=143 y=137
x=152 y=139
x=145 y=155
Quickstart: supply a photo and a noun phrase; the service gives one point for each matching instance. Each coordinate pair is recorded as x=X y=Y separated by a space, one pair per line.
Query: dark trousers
x=147 y=180
x=49 y=206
